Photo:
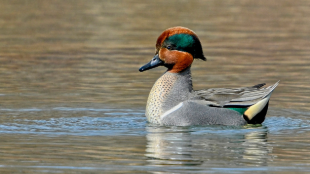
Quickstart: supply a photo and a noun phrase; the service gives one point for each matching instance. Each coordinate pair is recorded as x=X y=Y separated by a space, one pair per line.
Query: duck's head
x=176 y=49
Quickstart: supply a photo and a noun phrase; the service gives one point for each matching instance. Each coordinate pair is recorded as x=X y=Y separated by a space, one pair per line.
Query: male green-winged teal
x=172 y=100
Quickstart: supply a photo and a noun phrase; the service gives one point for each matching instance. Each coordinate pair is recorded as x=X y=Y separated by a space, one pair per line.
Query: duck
x=172 y=100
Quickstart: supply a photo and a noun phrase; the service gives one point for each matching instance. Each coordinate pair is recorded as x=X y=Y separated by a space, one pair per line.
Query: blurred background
x=55 y=52
x=72 y=98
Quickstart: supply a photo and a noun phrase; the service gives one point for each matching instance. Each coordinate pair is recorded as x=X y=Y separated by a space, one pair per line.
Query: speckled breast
x=157 y=96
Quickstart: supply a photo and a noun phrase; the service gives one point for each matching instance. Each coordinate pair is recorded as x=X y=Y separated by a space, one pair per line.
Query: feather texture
x=236 y=97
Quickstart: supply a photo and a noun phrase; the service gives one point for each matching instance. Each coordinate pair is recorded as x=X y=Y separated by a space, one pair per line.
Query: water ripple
x=94 y=121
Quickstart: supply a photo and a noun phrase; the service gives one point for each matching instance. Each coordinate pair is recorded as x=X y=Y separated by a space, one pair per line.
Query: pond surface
x=72 y=99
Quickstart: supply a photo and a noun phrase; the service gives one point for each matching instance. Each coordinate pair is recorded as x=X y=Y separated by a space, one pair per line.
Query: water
x=72 y=99
x=65 y=140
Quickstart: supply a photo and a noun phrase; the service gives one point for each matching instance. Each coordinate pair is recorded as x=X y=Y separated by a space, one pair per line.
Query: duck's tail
x=256 y=113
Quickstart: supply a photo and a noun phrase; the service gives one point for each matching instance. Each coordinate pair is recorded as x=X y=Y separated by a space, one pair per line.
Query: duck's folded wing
x=237 y=97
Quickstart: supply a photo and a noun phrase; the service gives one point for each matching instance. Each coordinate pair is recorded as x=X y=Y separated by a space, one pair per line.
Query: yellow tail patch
x=253 y=110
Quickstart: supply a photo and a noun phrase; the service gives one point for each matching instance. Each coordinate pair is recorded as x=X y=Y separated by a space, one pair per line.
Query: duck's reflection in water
x=209 y=146
x=170 y=146
x=256 y=148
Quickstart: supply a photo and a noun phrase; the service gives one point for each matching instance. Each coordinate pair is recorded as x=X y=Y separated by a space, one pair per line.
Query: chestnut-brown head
x=176 y=48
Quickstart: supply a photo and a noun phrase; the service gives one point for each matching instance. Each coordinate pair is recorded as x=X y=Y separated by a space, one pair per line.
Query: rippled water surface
x=72 y=99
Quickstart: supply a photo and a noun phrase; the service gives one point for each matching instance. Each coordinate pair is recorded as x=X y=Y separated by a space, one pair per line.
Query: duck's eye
x=169 y=47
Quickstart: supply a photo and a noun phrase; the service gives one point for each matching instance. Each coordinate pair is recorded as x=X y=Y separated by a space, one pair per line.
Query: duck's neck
x=168 y=91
